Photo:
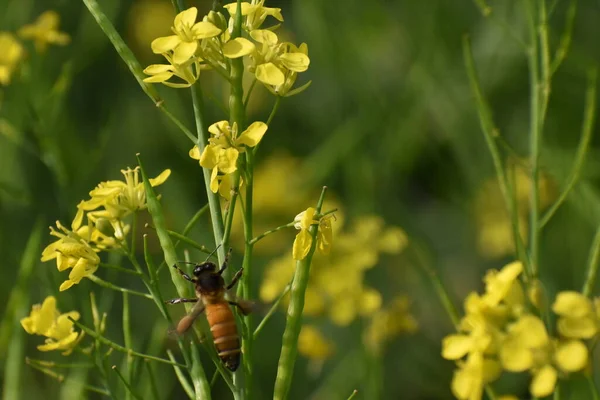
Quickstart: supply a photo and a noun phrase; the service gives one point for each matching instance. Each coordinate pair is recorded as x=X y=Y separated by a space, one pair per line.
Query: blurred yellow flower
x=44 y=31
x=46 y=320
x=343 y=299
x=187 y=33
x=312 y=344
x=472 y=375
x=389 y=322
x=303 y=241
x=579 y=316
x=10 y=56
x=71 y=250
x=495 y=233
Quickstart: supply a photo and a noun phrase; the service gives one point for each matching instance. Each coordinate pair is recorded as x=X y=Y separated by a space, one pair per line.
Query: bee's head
x=206 y=266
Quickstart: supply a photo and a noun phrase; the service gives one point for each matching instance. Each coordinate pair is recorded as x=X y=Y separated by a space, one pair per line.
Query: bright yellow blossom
x=303 y=241
x=44 y=31
x=188 y=72
x=120 y=198
x=10 y=56
x=579 y=316
x=223 y=150
x=187 y=33
x=254 y=13
x=472 y=375
x=46 y=320
x=71 y=250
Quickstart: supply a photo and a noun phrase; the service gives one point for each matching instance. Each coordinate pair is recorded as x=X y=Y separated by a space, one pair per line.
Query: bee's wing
x=186 y=322
x=244 y=306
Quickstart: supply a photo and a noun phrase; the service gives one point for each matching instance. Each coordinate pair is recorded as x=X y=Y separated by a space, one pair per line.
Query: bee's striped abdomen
x=224 y=331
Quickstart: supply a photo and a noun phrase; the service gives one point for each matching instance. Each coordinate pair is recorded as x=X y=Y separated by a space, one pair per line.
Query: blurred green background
x=389 y=124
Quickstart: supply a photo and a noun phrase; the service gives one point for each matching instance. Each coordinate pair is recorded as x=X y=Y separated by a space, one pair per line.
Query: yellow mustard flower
x=72 y=251
x=579 y=316
x=44 y=31
x=528 y=346
x=121 y=198
x=223 y=149
x=389 y=322
x=187 y=33
x=188 y=72
x=10 y=56
x=312 y=344
x=472 y=375
x=303 y=241
x=46 y=320
x=272 y=60
x=254 y=13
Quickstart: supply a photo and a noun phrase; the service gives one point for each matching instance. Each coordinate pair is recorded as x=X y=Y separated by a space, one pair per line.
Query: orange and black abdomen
x=224 y=331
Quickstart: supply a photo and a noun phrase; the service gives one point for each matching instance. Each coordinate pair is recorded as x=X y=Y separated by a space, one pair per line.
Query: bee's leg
x=177 y=301
x=182 y=273
x=236 y=277
x=245 y=307
x=225 y=262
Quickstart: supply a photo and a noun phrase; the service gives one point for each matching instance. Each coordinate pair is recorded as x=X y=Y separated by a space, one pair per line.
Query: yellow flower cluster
x=208 y=44
x=389 y=322
x=46 y=320
x=43 y=32
x=110 y=203
x=499 y=333
x=355 y=252
x=223 y=150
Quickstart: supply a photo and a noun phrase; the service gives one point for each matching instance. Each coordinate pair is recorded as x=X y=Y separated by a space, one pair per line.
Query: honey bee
x=210 y=297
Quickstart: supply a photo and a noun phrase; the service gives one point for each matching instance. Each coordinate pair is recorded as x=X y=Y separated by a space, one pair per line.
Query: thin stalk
x=52 y=364
x=289 y=348
x=593 y=388
x=353 y=395
x=582 y=149
x=61 y=378
x=120 y=348
x=185 y=384
x=128 y=340
x=250 y=89
x=593 y=263
x=201 y=385
x=267 y=233
x=490 y=132
x=271 y=310
x=565 y=39
x=128 y=389
x=153 y=380
x=109 y=285
x=120 y=269
x=185 y=239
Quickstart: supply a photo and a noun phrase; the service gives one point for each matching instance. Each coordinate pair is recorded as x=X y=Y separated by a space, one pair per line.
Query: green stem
x=128 y=340
x=189 y=241
x=353 y=395
x=267 y=233
x=153 y=380
x=61 y=378
x=109 y=285
x=490 y=132
x=185 y=384
x=565 y=40
x=593 y=388
x=120 y=269
x=271 y=310
x=129 y=390
x=201 y=385
x=582 y=149
x=289 y=348
x=593 y=263
x=120 y=348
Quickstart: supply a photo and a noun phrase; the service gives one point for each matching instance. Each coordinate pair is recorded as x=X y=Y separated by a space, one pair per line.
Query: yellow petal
x=238 y=47
x=210 y=156
x=515 y=357
x=159 y=78
x=325 y=235
x=228 y=160
x=66 y=285
x=164 y=44
x=572 y=304
x=269 y=74
x=253 y=135
x=456 y=346
x=214 y=181
x=370 y=301
x=247 y=8
x=578 y=328
x=160 y=179
x=301 y=245
x=219 y=128
x=264 y=36
x=543 y=382
x=184 y=51
x=530 y=330
x=296 y=62
x=205 y=30
x=186 y=17
x=195 y=153
x=571 y=356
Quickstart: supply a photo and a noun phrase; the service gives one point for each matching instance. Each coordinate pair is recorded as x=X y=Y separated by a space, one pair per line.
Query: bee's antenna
x=212 y=252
